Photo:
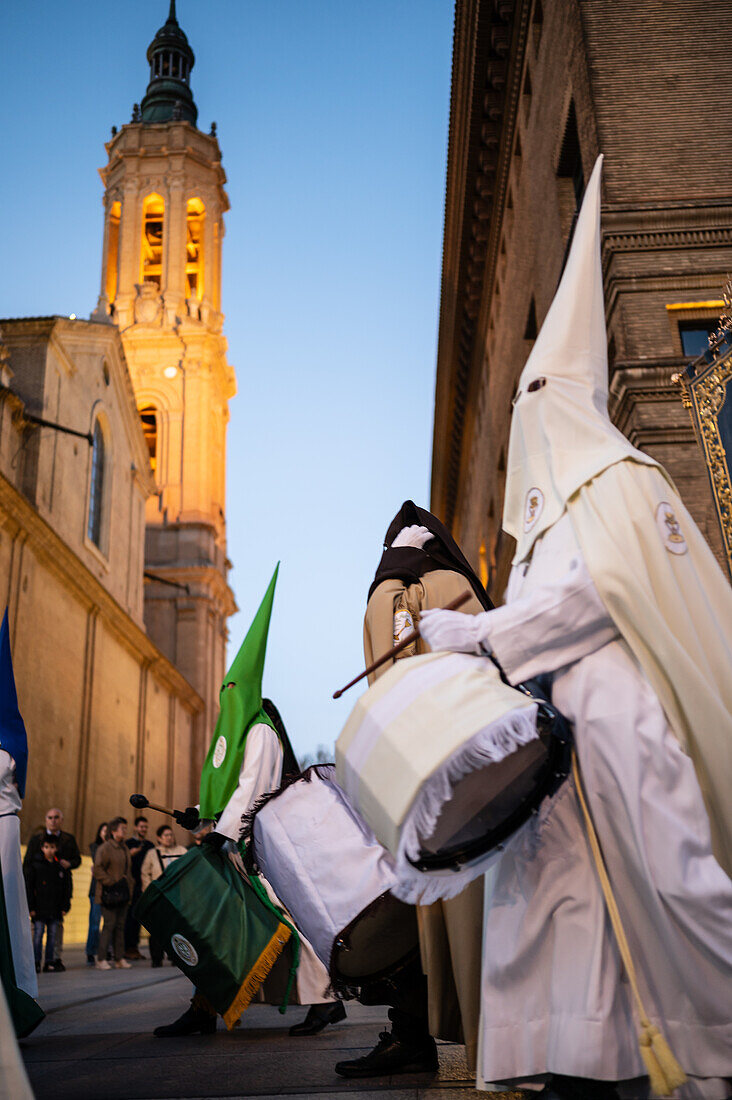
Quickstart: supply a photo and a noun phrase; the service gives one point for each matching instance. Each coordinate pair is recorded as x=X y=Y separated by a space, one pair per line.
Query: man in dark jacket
x=48 y=886
x=69 y=857
x=139 y=846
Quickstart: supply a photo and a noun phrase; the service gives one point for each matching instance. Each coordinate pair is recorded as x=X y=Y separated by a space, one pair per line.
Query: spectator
x=153 y=866
x=139 y=847
x=48 y=885
x=113 y=874
x=69 y=857
x=95 y=911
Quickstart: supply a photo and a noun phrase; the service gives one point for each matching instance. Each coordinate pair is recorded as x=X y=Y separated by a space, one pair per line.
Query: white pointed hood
x=561 y=434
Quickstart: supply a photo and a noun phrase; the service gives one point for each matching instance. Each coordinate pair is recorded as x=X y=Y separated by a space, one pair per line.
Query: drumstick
x=141 y=803
x=411 y=637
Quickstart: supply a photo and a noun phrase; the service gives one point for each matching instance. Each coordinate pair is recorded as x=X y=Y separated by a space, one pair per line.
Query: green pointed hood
x=240 y=704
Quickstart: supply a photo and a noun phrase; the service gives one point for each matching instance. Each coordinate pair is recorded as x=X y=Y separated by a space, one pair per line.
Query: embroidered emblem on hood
x=219 y=752
x=533 y=508
x=669 y=529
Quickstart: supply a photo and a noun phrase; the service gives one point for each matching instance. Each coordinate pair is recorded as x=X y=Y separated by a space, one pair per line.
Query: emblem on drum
x=184 y=949
x=219 y=752
x=533 y=508
x=403 y=624
x=669 y=529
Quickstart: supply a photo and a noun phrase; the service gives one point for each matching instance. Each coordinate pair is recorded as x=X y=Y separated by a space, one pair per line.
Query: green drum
x=219 y=930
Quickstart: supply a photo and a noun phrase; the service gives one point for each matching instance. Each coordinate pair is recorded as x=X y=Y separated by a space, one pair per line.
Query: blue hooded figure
x=13 y=738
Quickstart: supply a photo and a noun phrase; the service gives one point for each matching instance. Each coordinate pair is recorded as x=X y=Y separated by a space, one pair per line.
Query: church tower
x=164 y=204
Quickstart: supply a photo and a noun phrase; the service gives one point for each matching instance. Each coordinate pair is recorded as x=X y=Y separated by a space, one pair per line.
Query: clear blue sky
x=332 y=118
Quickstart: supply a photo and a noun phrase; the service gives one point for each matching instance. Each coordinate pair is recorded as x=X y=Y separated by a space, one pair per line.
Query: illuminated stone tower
x=164 y=203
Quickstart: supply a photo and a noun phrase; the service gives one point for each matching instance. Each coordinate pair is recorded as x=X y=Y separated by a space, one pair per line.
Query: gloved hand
x=413 y=536
x=188 y=818
x=215 y=840
x=454 y=631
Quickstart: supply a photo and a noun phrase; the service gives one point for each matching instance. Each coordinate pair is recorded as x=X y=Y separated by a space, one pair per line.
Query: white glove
x=454 y=631
x=413 y=536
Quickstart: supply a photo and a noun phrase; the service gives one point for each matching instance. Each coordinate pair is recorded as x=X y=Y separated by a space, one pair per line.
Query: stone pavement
x=96 y=1043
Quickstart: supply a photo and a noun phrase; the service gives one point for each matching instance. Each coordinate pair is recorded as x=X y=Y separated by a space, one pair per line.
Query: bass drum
x=446 y=761
x=328 y=869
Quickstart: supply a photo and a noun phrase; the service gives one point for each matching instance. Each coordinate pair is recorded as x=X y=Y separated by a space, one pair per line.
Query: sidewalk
x=97 y=1044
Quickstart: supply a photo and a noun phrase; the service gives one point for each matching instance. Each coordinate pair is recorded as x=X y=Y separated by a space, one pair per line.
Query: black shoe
x=91 y=960
x=318 y=1017
x=579 y=1088
x=154 y=963
x=392 y=1055
x=191 y=1022
x=38 y=968
x=57 y=965
x=47 y=967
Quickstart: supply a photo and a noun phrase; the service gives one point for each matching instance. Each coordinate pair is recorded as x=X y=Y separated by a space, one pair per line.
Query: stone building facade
x=113 y=481
x=106 y=712
x=539 y=88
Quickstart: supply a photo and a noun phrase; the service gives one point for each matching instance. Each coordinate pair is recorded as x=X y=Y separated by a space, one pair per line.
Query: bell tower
x=164 y=204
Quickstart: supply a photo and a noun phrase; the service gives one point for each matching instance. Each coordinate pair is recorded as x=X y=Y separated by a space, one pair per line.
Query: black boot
x=579 y=1088
x=318 y=1017
x=192 y=1021
x=393 y=1055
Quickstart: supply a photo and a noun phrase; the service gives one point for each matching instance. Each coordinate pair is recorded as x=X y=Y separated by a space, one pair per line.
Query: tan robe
x=450 y=932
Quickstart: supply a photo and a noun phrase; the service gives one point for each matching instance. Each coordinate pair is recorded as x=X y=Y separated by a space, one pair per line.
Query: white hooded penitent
x=648 y=560
x=561 y=434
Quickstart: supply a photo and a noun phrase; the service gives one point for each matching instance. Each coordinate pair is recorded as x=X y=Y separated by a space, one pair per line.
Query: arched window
x=113 y=250
x=151 y=266
x=149 y=419
x=195 y=214
x=96 y=487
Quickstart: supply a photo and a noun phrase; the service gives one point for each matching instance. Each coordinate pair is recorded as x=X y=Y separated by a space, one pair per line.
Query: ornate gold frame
x=704 y=394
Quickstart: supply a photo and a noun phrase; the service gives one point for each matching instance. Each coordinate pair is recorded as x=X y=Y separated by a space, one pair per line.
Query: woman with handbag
x=113 y=874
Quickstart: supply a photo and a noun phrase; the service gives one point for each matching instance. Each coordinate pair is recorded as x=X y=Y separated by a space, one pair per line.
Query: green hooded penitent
x=240 y=707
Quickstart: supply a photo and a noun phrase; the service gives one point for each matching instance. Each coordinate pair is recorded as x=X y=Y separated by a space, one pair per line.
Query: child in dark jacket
x=48 y=886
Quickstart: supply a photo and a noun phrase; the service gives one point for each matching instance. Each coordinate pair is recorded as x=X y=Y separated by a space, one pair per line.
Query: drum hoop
x=341 y=984
x=553 y=773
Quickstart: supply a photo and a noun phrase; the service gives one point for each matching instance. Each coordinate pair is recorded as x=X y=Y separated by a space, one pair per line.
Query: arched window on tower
x=115 y=212
x=149 y=419
x=96 y=486
x=195 y=214
x=151 y=266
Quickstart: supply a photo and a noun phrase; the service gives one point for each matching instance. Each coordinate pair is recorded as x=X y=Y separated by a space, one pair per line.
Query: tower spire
x=168 y=96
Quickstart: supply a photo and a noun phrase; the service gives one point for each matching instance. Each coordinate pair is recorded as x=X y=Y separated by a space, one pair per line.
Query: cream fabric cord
x=664 y=1071
x=673 y=606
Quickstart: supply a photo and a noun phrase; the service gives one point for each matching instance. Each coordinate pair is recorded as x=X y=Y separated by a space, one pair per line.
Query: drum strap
x=665 y=1073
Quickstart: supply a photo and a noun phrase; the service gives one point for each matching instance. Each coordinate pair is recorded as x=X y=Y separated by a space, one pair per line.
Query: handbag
x=116 y=895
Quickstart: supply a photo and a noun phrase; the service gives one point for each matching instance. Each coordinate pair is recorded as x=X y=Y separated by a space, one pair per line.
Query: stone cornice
x=204 y=575
x=61 y=561
x=488 y=51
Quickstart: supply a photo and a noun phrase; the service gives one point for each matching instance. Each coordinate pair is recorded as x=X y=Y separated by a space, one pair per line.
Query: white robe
x=261 y=772
x=16 y=902
x=554 y=997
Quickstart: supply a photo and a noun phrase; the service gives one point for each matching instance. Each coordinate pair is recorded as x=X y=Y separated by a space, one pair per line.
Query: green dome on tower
x=169 y=96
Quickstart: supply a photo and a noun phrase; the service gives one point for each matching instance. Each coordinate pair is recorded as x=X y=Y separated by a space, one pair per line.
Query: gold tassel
x=664 y=1071
x=257 y=975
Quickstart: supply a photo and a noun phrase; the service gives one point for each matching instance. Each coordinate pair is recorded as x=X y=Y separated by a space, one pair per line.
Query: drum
x=216 y=928
x=335 y=879
x=445 y=761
